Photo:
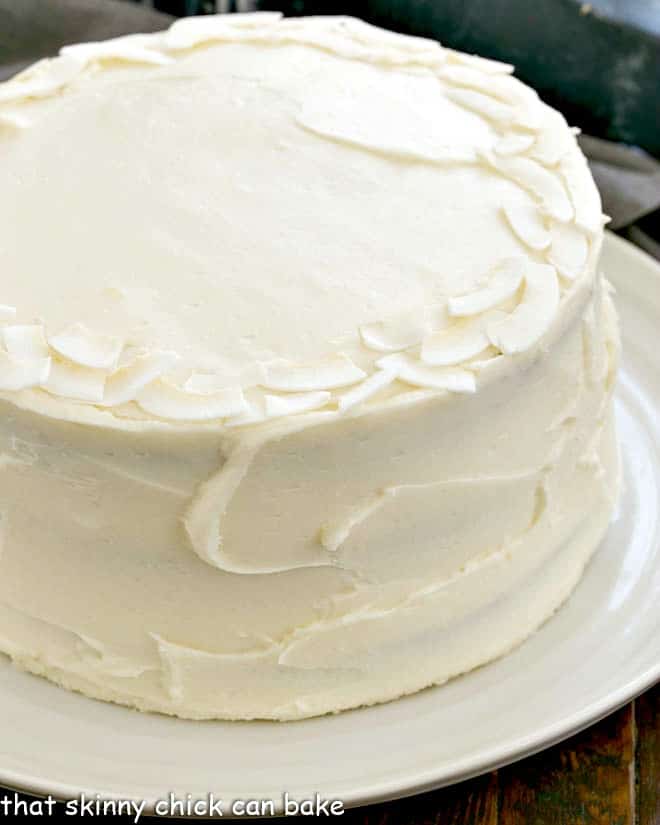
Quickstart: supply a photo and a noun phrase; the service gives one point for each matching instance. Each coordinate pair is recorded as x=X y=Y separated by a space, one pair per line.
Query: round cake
x=306 y=366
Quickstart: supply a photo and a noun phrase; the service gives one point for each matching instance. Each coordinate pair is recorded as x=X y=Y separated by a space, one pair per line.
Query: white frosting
x=13 y=122
x=315 y=410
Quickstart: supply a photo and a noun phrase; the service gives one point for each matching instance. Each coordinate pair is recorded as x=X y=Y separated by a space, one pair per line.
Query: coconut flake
x=569 y=250
x=491 y=356
x=369 y=387
x=87 y=348
x=553 y=140
x=523 y=101
x=345 y=37
x=191 y=31
x=166 y=400
x=13 y=121
x=464 y=340
x=413 y=372
x=503 y=282
x=532 y=317
x=345 y=122
x=472 y=78
x=514 y=144
x=131 y=48
x=483 y=64
x=536 y=179
x=584 y=195
x=127 y=381
x=494 y=110
x=527 y=225
x=26 y=341
x=369 y=35
x=205 y=382
x=394 y=334
x=250 y=20
x=20 y=374
x=254 y=413
x=277 y=406
x=75 y=382
x=336 y=371
x=44 y=78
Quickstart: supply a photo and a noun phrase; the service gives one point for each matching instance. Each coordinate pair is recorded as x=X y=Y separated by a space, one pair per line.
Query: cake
x=306 y=366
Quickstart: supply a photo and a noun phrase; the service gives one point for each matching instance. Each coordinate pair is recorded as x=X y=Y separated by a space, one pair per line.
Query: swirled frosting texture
x=303 y=360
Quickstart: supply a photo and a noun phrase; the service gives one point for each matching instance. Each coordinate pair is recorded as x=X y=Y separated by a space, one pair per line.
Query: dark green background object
x=599 y=63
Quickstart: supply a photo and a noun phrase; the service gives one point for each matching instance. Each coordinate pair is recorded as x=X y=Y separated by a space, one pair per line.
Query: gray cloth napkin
x=31 y=29
x=629 y=184
x=628 y=178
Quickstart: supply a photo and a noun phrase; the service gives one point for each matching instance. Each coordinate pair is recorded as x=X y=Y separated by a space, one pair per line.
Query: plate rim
x=428 y=779
x=376 y=793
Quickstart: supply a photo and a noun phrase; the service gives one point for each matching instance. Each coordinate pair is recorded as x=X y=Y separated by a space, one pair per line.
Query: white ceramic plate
x=600 y=650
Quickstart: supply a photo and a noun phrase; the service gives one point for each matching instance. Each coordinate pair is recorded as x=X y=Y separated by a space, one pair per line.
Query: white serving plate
x=600 y=650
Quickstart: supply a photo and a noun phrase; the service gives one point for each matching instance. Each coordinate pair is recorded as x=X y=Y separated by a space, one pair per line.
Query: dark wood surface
x=607 y=775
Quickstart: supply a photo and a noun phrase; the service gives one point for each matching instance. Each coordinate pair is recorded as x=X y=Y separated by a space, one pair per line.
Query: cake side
x=273 y=483
x=342 y=576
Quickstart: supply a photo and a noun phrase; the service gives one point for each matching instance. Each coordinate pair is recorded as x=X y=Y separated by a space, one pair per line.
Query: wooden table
x=607 y=775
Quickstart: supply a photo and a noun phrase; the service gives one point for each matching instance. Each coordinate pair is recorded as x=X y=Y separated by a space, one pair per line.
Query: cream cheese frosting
x=306 y=366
